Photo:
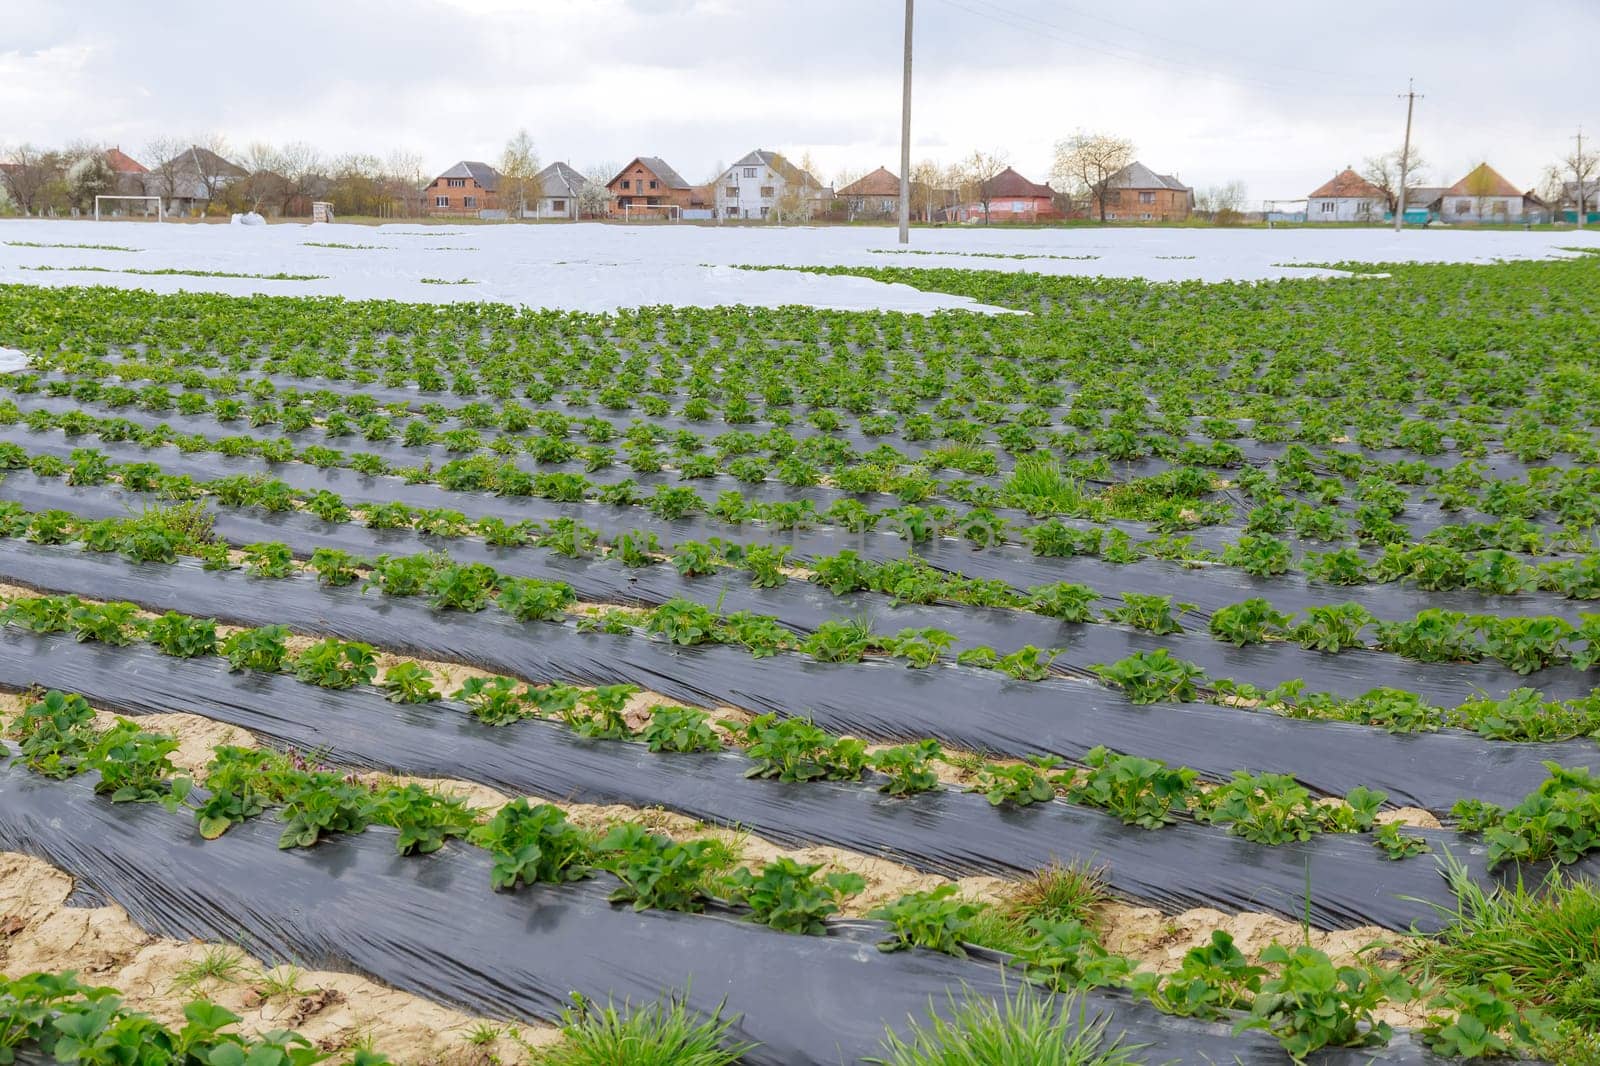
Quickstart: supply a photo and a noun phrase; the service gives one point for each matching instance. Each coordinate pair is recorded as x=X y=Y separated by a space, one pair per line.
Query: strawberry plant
x=1310 y=1003
x=336 y=664
x=57 y=734
x=838 y=642
x=317 y=809
x=1263 y=808
x=1152 y=676
x=908 y=767
x=936 y=920
x=530 y=599
x=1261 y=555
x=793 y=749
x=1345 y=566
x=401 y=575
x=1213 y=980
x=1333 y=627
x=424 y=819
x=789 y=897
x=334 y=567
x=408 y=682
x=263 y=649
x=1142 y=792
x=1066 y=601
x=655 y=871
x=681 y=729
x=1148 y=612
x=1251 y=621
x=1480 y=1021
x=182 y=636
x=684 y=622
x=1019 y=784
x=269 y=559
x=691 y=558
x=920 y=648
x=1559 y=821
x=599 y=715
x=1433 y=636
x=1065 y=955
x=108 y=623
x=1397 y=845
x=532 y=844
x=461 y=587
x=492 y=700
x=1027 y=663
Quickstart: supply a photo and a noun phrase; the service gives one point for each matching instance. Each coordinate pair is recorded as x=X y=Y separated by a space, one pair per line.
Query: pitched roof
x=879 y=183
x=1424 y=195
x=1009 y=183
x=655 y=165
x=558 y=179
x=761 y=157
x=1348 y=185
x=486 y=176
x=1138 y=176
x=123 y=163
x=1483 y=181
x=204 y=159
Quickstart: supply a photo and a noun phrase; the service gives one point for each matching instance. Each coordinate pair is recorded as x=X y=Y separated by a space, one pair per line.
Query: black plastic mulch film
x=971 y=709
x=802 y=605
x=432 y=926
x=948 y=832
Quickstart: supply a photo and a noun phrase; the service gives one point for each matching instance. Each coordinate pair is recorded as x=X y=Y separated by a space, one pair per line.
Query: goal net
x=109 y=207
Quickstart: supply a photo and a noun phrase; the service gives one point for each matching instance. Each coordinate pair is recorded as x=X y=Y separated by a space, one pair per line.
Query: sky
x=1277 y=95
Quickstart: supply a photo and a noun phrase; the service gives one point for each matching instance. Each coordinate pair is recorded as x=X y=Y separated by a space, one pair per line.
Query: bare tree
x=519 y=171
x=1384 y=171
x=29 y=176
x=1089 y=161
x=165 y=167
x=406 y=179
x=926 y=179
x=208 y=161
x=978 y=172
x=1582 y=166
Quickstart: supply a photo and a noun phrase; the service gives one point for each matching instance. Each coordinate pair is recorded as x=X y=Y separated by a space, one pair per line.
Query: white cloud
x=1279 y=95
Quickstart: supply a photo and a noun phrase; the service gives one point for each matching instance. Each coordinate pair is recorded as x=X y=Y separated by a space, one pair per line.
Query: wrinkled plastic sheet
x=973 y=709
x=948 y=832
x=1208 y=587
x=432 y=926
x=803 y=606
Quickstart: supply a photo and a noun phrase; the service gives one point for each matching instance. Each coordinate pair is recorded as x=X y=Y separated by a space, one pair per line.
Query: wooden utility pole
x=905 y=138
x=1578 y=172
x=1405 y=158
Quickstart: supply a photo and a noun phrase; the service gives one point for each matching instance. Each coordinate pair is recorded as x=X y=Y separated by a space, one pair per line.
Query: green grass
x=665 y=1033
x=1546 y=939
x=86 y=247
x=1041 y=479
x=220 y=963
x=1028 y=1028
x=447 y=281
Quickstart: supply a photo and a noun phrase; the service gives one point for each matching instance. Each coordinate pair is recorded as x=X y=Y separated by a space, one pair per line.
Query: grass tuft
x=1038 y=485
x=220 y=963
x=666 y=1033
x=1028 y=1028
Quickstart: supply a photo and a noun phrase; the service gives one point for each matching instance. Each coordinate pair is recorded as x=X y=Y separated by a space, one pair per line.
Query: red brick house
x=464 y=189
x=875 y=196
x=648 y=187
x=1011 y=198
x=129 y=171
x=1138 y=194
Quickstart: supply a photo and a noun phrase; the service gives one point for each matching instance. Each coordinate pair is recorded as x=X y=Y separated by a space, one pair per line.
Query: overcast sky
x=1279 y=95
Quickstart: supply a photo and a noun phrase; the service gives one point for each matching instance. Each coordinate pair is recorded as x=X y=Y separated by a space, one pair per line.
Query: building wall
x=633 y=186
x=1144 y=205
x=748 y=192
x=1345 y=209
x=1009 y=209
x=1482 y=208
x=467 y=198
x=554 y=207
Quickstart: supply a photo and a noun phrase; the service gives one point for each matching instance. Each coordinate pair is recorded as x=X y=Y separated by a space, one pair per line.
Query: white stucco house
x=1347 y=197
x=560 y=188
x=766 y=185
x=1482 y=196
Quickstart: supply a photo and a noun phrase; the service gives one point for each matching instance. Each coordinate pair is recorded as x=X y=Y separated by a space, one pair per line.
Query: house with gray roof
x=468 y=188
x=192 y=179
x=1138 y=194
x=560 y=187
x=765 y=185
x=649 y=188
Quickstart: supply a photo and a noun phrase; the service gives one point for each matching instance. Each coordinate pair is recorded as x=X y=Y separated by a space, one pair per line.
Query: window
x=441 y=201
x=456 y=183
x=1147 y=198
x=624 y=183
x=766 y=192
x=469 y=201
x=749 y=172
x=1327 y=207
x=731 y=192
x=558 y=205
x=1146 y=216
x=1114 y=196
x=655 y=184
x=764 y=212
x=1463 y=207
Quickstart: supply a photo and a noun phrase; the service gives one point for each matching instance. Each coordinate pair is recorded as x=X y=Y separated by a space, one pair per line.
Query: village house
x=1011 y=198
x=560 y=187
x=1482 y=196
x=467 y=188
x=129 y=171
x=197 y=176
x=648 y=186
x=1347 y=197
x=766 y=185
x=1138 y=194
x=875 y=196
x=1569 y=201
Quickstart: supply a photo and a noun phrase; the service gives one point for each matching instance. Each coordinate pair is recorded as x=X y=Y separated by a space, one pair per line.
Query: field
x=679 y=642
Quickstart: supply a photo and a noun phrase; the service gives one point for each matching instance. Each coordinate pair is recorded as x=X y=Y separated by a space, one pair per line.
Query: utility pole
x=1578 y=172
x=905 y=138
x=1405 y=157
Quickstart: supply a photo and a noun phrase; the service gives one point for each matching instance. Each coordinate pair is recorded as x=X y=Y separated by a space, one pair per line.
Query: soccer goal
x=161 y=211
